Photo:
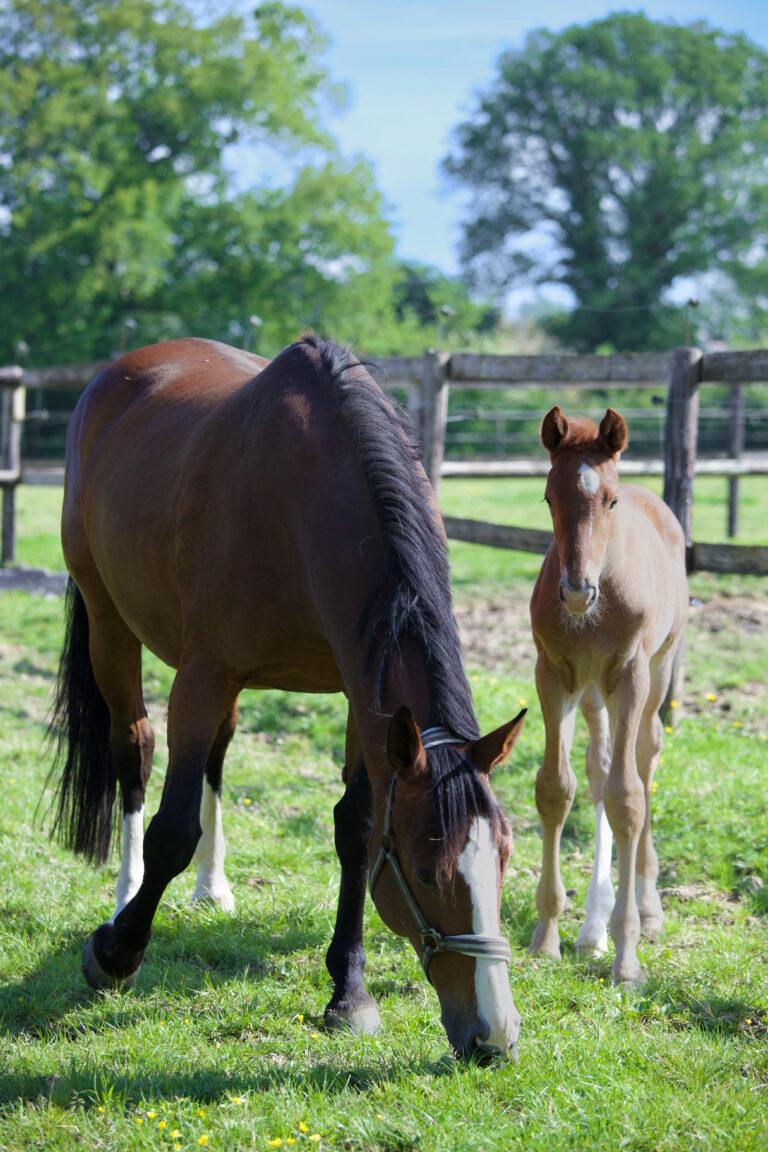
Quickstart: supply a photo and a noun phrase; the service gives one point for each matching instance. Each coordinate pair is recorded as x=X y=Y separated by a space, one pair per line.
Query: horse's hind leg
x=351 y=1007
x=211 y=883
x=201 y=699
x=593 y=937
x=116 y=659
x=555 y=786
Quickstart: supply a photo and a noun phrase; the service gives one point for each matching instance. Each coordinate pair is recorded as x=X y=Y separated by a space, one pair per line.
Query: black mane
x=414 y=595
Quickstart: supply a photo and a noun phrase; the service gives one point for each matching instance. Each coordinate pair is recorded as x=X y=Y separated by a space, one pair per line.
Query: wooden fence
x=427 y=379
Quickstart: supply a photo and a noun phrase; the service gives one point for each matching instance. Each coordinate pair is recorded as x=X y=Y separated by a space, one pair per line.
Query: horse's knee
x=554 y=791
x=353 y=819
x=625 y=807
x=169 y=845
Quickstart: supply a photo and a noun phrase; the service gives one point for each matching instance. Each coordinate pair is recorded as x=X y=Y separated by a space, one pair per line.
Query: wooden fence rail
x=426 y=380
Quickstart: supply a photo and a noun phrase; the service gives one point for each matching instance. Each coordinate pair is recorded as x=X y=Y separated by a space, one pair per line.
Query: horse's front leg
x=593 y=937
x=351 y=1007
x=555 y=787
x=200 y=701
x=650 y=741
x=625 y=807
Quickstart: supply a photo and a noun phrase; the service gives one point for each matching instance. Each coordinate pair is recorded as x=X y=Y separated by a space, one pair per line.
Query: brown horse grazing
x=269 y=525
x=608 y=612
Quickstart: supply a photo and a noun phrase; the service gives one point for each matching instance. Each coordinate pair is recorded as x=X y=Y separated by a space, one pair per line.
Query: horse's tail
x=82 y=770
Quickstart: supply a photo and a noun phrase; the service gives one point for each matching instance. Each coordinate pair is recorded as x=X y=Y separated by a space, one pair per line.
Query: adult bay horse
x=269 y=525
x=608 y=612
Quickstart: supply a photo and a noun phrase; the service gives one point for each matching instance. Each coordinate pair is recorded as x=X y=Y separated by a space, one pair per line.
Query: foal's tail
x=79 y=732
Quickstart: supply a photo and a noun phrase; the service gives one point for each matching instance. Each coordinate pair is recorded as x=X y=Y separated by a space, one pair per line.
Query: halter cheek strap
x=432 y=941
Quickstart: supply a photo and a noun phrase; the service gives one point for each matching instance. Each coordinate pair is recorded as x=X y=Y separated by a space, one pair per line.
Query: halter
x=432 y=941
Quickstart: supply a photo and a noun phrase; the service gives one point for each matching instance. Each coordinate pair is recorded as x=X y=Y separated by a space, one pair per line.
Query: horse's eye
x=426 y=878
x=613 y=502
x=547 y=500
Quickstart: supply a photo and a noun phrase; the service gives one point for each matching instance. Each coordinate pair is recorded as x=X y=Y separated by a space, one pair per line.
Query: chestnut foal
x=608 y=612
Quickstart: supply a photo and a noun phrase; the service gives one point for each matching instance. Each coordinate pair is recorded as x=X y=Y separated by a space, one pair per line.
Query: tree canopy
x=618 y=159
x=118 y=200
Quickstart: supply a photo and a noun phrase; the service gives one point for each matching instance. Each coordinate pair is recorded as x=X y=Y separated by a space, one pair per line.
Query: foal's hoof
x=361 y=1018
x=105 y=966
x=220 y=898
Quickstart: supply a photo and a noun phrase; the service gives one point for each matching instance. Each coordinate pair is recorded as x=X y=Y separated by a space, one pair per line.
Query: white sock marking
x=132 y=863
x=479 y=868
x=211 y=883
x=600 y=895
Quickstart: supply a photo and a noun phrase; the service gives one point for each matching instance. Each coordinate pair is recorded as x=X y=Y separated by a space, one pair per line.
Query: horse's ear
x=554 y=429
x=613 y=432
x=404 y=749
x=494 y=748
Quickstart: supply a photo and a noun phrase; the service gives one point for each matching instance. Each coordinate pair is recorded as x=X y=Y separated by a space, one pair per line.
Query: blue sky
x=412 y=67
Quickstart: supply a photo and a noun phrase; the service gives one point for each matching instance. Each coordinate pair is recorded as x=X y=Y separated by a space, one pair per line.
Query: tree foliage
x=617 y=159
x=117 y=202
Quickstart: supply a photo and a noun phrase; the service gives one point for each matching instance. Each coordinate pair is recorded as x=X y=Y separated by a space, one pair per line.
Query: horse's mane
x=413 y=597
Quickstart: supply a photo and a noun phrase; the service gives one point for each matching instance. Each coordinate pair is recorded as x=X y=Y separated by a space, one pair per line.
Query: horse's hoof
x=360 y=1019
x=545 y=943
x=97 y=976
x=591 y=945
x=630 y=982
x=221 y=898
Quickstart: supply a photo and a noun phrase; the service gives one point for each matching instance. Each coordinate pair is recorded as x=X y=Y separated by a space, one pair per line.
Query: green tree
x=116 y=202
x=615 y=159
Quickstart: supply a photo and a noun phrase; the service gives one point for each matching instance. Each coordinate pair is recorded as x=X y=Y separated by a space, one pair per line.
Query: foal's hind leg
x=555 y=786
x=201 y=699
x=211 y=883
x=593 y=937
x=116 y=659
x=351 y=1007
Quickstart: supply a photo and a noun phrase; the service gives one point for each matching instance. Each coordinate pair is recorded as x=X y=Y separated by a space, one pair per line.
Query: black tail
x=79 y=732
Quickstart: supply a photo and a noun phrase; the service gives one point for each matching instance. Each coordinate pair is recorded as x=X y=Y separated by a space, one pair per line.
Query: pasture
x=220 y=1043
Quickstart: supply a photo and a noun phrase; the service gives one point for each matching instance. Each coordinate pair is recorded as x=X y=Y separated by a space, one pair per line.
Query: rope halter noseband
x=432 y=941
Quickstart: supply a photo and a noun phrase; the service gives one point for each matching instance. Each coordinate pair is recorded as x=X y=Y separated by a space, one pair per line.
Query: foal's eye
x=613 y=502
x=426 y=878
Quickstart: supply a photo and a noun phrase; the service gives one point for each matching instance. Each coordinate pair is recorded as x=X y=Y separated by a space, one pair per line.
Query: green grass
x=221 y=1037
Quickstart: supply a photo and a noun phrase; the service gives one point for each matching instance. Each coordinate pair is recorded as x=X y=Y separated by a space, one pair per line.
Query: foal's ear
x=554 y=429
x=404 y=749
x=494 y=748
x=613 y=432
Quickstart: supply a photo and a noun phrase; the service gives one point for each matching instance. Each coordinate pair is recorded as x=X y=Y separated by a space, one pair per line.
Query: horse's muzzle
x=577 y=600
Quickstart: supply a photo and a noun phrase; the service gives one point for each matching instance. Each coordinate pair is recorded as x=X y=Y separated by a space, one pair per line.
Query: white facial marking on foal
x=589 y=481
x=132 y=863
x=478 y=866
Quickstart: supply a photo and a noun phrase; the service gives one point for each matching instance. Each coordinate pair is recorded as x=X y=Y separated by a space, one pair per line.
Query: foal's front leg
x=351 y=1007
x=624 y=799
x=555 y=787
x=593 y=937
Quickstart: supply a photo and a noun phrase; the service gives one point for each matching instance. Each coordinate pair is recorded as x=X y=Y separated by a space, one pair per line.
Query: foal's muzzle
x=577 y=600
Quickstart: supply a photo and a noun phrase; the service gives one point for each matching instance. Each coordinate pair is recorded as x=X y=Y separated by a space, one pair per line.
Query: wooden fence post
x=679 y=463
x=13 y=411
x=433 y=413
x=736 y=449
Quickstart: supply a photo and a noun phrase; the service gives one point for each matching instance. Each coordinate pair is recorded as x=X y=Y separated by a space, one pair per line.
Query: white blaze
x=478 y=864
x=589 y=481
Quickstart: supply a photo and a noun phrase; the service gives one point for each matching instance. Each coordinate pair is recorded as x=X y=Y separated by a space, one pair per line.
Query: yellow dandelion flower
x=203 y=1139
x=748 y=1020
x=300 y=1018
x=655 y=787
x=674 y=703
x=101 y=1107
x=523 y=703
x=161 y=1124
x=175 y=1135
x=668 y=728
x=247 y=800
x=151 y=1115
x=202 y=1113
x=11 y=781
x=303 y=1127
x=711 y=696
x=315 y=1137
x=314 y=1035
x=493 y=680
x=274 y=1143
x=475 y=677
x=139 y=1120
x=177 y=1148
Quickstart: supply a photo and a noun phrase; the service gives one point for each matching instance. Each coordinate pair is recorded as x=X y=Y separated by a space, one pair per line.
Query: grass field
x=220 y=1043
